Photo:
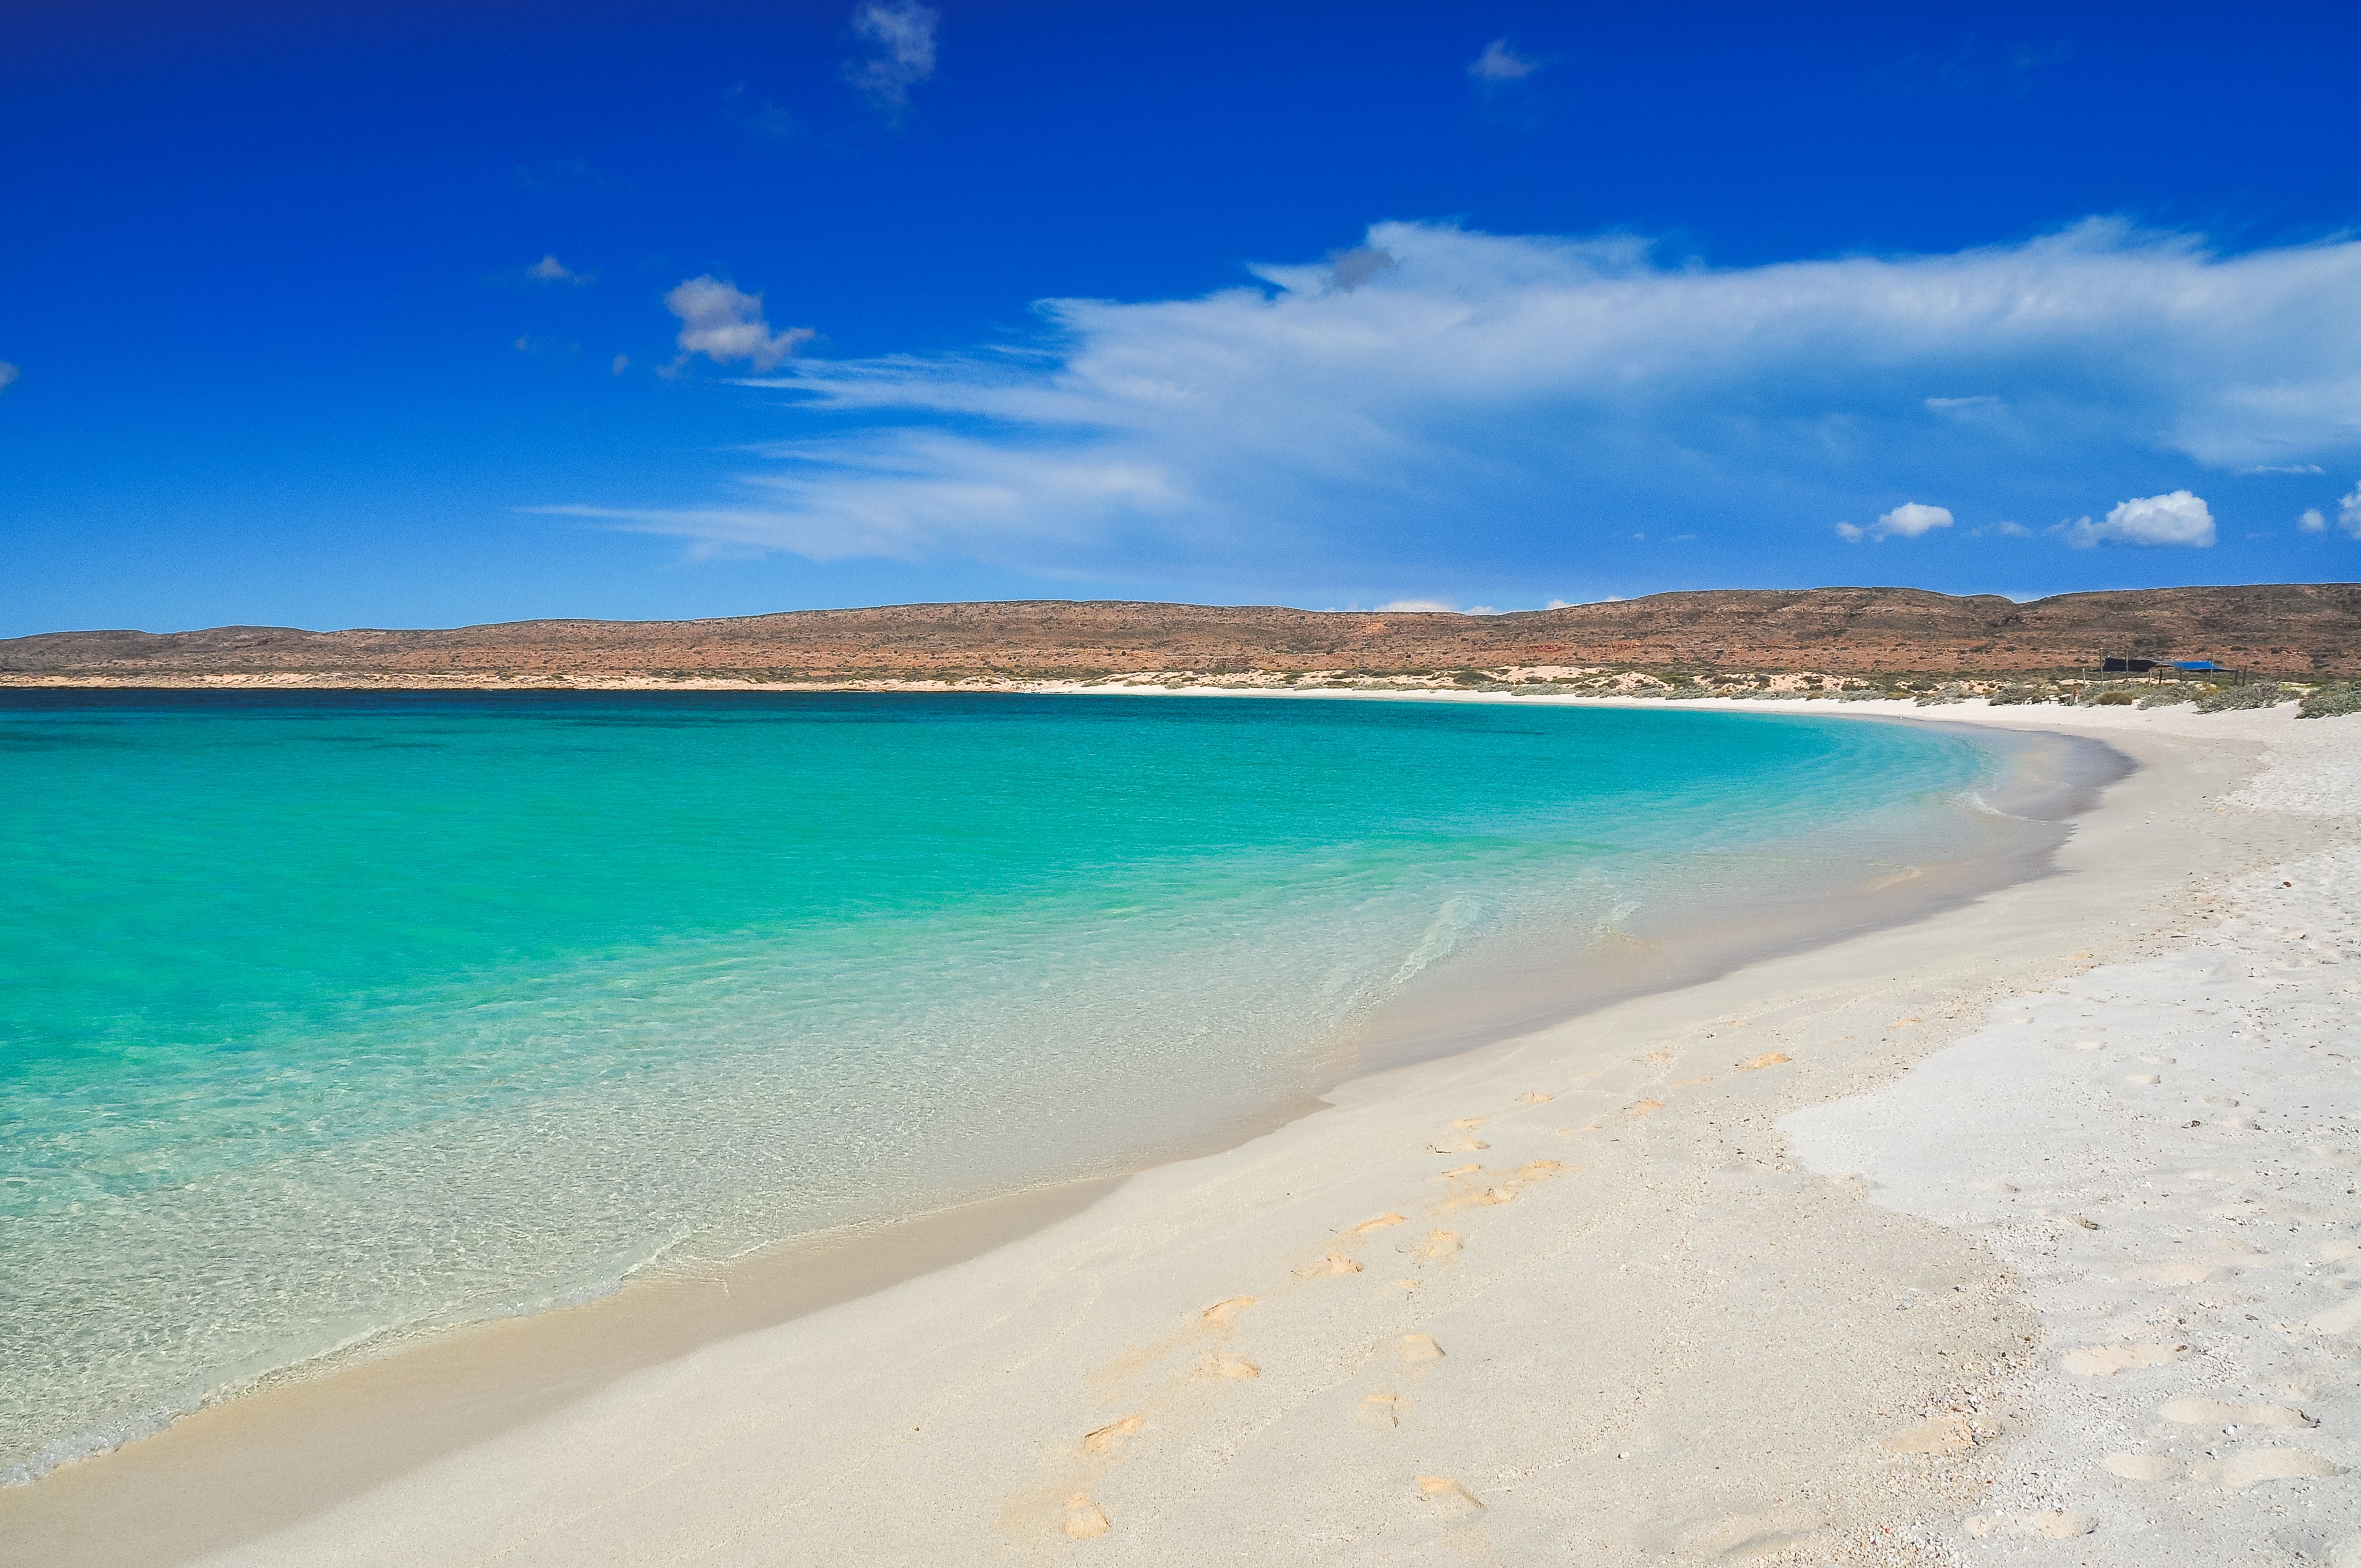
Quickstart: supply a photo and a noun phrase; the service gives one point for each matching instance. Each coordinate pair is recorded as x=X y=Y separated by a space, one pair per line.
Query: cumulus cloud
x=1525 y=401
x=726 y=324
x=900 y=39
x=1501 y=62
x=549 y=270
x=2176 y=518
x=8 y=374
x=1908 y=520
x=2310 y=521
x=2348 y=510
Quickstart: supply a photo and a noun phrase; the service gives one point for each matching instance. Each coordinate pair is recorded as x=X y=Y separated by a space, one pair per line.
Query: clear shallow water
x=325 y=1017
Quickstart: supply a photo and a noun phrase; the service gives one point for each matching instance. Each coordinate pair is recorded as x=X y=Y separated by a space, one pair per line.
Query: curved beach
x=1703 y=1273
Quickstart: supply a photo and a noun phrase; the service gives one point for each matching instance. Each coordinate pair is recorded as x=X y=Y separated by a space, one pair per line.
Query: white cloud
x=724 y=324
x=1430 y=607
x=2310 y=521
x=901 y=38
x=623 y=363
x=8 y=374
x=1501 y=62
x=1908 y=520
x=2348 y=513
x=2285 y=468
x=2176 y=518
x=549 y=270
x=1524 y=399
x=1949 y=405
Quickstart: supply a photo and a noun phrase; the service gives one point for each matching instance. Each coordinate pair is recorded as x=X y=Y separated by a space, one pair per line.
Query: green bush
x=2115 y=699
x=2254 y=694
x=2331 y=701
x=2009 y=696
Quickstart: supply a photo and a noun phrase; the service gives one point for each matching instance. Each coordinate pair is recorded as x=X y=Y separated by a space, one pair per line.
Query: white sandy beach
x=2023 y=1234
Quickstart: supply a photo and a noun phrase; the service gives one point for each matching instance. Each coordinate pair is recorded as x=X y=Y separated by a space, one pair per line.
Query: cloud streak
x=1908 y=520
x=1525 y=402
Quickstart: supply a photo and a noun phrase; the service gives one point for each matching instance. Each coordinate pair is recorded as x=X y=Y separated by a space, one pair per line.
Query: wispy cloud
x=2284 y=469
x=1501 y=62
x=2348 y=513
x=1517 y=403
x=763 y=119
x=549 y=270
x=2178 y=518
x=726 y=325
x=8 y=374
x=898 y=36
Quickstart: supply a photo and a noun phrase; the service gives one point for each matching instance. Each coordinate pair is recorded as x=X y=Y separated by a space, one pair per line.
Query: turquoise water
x=325 y=1017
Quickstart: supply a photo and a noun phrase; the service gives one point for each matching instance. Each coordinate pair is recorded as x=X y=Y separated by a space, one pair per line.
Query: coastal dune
x=1856 y=1255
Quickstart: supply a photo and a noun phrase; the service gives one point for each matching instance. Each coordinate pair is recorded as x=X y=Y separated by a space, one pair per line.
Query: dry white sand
x=1644 y=1288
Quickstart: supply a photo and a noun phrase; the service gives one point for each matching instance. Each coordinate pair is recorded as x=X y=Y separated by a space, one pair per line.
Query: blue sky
x=428 y=313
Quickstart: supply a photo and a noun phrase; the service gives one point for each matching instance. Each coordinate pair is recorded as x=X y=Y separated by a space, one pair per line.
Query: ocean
x=329 y=1020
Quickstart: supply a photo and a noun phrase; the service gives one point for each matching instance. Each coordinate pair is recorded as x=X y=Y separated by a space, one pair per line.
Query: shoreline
x=1352 y=1091
x=663 y=1308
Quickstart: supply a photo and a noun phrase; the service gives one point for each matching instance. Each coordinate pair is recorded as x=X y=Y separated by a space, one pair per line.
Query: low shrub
x=2331 y=701
x=2254 y=694
x=2011 y=697
x=2164 y=699
x=2115 y=699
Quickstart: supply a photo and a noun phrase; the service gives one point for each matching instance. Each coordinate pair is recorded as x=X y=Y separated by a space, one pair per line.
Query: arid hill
x=2283 y=629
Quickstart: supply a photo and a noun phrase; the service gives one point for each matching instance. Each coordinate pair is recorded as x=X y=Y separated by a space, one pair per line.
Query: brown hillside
x=2285 y=629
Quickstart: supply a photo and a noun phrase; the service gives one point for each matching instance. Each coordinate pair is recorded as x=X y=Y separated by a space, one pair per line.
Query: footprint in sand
x=1417 y=1348
x=1334 y=1263
x=2233 y=1243
x=2144 y=1077
x=1084 y=1518
x=1379 y=1224
x=1947 y=1436
x=1440 y=1244
x=1459 y=1170
x=1535 y=1097
x=1379 y=1410
x=2106 y=1360
x=1647 y=1107
x=1768 y=1058
x=2217 y=1413
x=1225 y=1365
x=1466 y=1123
x=1451 y=1499
x=2236 y=1474
x=1109 y=1437
x=2336 y=1320
x=2178 y=1273
x=1221 y=1313
x=2058 y=1525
